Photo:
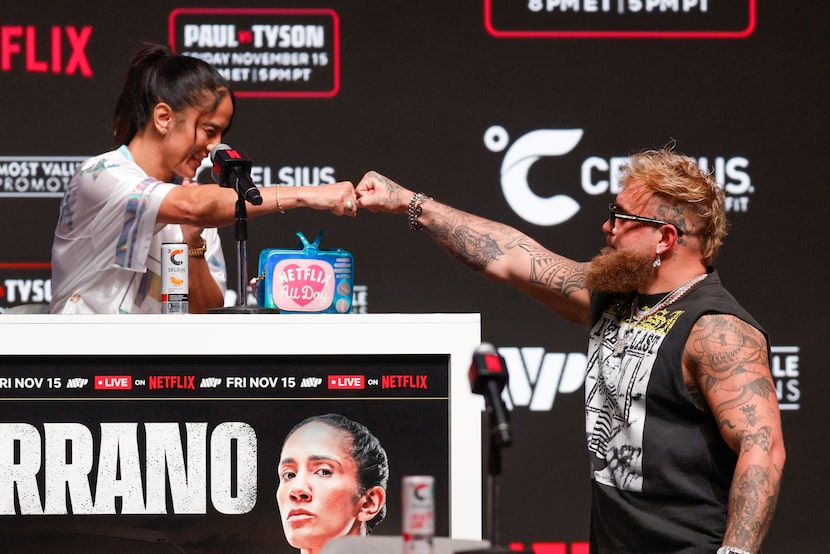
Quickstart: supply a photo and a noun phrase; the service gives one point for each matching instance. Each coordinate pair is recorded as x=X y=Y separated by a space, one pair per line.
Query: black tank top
x=661 y=470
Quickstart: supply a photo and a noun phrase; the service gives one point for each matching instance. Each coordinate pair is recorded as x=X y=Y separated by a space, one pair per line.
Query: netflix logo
x=113 y=382
x=60 y=50
x=349 y=382
x=404 y=382
x=172 y=382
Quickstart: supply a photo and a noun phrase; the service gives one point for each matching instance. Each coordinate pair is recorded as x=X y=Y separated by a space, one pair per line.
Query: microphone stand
x=493 y=501
x=494 y=478
x=241 y=233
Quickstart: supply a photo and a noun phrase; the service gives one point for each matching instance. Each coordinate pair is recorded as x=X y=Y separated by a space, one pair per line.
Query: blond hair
x=679 y=181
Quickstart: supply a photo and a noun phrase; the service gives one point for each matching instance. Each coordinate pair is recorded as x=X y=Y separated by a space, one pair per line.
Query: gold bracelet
x=279 y=206
x=198 y=252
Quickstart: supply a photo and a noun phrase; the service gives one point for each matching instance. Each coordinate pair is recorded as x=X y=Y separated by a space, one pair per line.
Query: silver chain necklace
x=638 y=314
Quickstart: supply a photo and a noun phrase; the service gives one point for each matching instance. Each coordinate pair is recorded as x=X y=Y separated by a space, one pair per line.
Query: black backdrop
x=438 y=95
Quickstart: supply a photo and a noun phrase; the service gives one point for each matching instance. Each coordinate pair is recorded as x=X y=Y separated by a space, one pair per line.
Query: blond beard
x=613 y=271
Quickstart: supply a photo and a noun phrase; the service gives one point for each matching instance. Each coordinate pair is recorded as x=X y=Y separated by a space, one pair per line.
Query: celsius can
x=174 y=278
x=418 y=514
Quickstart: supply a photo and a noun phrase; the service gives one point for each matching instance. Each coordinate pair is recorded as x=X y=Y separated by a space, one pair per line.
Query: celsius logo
x=173 y=257
x=421 y=492
x=264 y=176
x=598 y=175
x=519 y=158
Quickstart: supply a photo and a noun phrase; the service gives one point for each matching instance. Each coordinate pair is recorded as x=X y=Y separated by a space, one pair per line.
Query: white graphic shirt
x=107 y=246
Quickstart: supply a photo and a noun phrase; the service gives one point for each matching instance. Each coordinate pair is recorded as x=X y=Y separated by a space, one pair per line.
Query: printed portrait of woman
x=333 y=473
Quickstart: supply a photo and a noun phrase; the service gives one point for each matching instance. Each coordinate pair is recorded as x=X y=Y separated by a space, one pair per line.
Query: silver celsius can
x=418 y=524
x=174 y=278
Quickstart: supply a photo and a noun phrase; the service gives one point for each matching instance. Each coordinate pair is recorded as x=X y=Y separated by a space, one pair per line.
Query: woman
x=122 y=205
x=333 y=474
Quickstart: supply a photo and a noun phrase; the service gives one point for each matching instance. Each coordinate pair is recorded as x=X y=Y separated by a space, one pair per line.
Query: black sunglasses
x=615 y=214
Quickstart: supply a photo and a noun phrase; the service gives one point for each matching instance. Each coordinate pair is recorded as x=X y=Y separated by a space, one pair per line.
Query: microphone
x=232 y=168
x=488 y=376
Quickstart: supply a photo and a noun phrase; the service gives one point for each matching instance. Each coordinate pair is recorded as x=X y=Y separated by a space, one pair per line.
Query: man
x=682 y=419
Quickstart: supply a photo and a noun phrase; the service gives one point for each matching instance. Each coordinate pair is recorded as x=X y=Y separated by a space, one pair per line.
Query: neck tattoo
x=638 y=314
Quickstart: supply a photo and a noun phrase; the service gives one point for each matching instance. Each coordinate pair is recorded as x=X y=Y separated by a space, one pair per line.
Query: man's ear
x=163 y=117
x=668 y=236
x=370 y=503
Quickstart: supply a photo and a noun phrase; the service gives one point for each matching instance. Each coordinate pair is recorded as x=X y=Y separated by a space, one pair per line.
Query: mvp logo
x=537 y=376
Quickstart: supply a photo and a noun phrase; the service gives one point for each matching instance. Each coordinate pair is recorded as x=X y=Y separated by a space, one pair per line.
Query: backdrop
x=521 y=111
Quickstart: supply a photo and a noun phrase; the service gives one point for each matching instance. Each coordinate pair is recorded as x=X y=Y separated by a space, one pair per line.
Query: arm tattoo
x=553 y=271
x=752 y=507
x=471 y=240
x=731 y=367
x=761 y=439
x=474 y=249
x=750 y=417
x=731 y=361
x=391 y=191
x=477 y=243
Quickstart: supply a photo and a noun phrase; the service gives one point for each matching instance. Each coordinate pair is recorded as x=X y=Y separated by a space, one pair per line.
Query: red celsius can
x=174 y=278
x=418 y=514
